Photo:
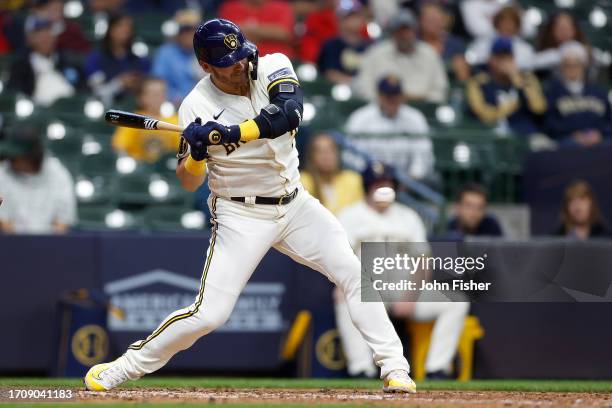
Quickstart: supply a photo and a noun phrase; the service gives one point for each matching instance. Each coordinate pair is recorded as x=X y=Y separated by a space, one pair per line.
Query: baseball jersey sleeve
x=274 y=69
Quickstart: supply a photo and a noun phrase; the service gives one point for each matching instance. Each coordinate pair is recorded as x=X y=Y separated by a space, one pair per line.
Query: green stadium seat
x=166 y=165
x=95 y=190
x=174 y=218
x=98 y=218
x=140 y=189
x=103 y=163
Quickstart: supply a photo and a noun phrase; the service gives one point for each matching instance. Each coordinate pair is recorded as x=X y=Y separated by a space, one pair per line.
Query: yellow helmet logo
x=231 y=41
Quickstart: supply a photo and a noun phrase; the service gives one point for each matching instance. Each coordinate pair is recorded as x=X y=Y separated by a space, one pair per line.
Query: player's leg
x=359 y=360
x=448 y=324
x=313 y=237
x=237 y=245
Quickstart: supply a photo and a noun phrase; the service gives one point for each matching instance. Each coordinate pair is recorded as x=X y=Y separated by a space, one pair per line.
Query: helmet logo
x=231 y=41
x=214 y=137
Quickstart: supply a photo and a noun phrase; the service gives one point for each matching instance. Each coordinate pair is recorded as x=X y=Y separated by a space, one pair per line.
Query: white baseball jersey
x=263 y=167
x=398 y=223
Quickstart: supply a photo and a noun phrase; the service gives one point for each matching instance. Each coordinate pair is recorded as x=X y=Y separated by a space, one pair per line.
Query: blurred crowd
x=527 y=70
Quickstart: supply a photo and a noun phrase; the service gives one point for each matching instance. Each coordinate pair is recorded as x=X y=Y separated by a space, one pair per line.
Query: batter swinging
x=251 y=108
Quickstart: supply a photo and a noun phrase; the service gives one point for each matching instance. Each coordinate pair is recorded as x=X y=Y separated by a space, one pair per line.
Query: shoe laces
x=114 y=375
x=399 y=374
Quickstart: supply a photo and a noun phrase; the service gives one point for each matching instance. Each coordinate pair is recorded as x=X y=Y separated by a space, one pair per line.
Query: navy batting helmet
x=221 y=43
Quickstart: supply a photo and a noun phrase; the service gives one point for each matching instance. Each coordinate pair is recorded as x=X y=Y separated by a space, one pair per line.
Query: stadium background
x=135 y=221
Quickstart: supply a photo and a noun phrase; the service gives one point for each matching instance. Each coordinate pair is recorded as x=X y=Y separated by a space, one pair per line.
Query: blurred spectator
x=389 y=116
x=144 y=144
x=42 y=72
x=503 y=95
x=340 y=57
x=579 y=111
x=379 y=218
x=114 y=69
x=417 y=64
x=434 y=23
x=580 y=214
x=324 y=178
x=37 y=190
x=105 y=6
x=507 y=23
x=383 y=11
x=5 y=44
x=319 y=26
x=560 y=28
x=175 y=61
x=70 y=35
x=478 y=16
x=267 y=23
x=471 y=216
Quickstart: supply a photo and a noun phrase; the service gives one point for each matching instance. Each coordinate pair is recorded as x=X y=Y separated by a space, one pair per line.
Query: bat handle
x=199 y=145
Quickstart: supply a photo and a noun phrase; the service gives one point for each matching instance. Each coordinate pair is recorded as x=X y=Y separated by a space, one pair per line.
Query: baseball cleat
x=399 y=381
x=103 y=377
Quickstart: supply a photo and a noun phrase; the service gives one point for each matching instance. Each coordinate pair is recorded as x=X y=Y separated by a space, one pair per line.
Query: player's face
x=471 y=210
x=232 y=77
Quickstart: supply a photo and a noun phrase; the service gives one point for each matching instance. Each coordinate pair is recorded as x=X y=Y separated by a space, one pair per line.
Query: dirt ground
x=441 y=399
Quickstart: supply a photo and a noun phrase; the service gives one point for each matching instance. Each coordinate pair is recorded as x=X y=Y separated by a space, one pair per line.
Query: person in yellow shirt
x=147 y=145
x=324 y=179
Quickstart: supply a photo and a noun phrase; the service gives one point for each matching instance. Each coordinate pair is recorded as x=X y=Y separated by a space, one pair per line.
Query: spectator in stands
x=38 y=191
x=560 y=28
x=114 y=70
x=478 y=16
x=42 y=72
x=471 y=216
x=507 y=23
x=142 y=144
x=267 y=23
x=70 y=35
x=340 y=57
x=417 y=64
x=379 y=218
x=324 y=178
x=390 y=117
x=579 y=110
x=505 y=96
x=319 y=26
x=175 y=61
x=433 y=24
x=580 y=214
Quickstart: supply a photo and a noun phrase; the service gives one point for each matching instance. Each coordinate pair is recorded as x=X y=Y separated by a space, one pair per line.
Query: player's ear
x=205 y=66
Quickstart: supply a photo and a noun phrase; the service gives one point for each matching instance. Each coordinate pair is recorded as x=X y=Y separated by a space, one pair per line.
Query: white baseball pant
x=241 y=235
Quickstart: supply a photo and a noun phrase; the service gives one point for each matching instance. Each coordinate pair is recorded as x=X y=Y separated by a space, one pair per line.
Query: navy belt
x=282 y=200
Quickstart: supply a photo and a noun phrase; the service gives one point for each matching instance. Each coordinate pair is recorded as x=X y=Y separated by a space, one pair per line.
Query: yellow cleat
x=103 y=377
x=399 y=381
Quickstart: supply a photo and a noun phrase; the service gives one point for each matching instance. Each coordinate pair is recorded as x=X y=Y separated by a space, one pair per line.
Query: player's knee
x=209 y=320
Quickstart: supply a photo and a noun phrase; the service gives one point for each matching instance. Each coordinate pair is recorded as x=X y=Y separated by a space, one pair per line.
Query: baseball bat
x=137 y=121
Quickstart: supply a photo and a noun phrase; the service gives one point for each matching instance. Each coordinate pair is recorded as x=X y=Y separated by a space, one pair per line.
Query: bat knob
x=199 y=145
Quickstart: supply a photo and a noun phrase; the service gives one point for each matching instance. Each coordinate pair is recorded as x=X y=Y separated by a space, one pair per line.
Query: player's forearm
x=191 y=173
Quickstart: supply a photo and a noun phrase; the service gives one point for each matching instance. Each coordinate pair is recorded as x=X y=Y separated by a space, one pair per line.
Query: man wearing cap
x=175 y=62
x=70 y=35
x=340 y=57
x=579 y=112
x=415 y=63
x=41 y=71
x=505 y=96
x=390 y=117
x=37 y=190
x=379 y=218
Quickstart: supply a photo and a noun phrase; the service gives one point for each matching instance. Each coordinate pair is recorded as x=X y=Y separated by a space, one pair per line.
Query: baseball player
x=241 y=120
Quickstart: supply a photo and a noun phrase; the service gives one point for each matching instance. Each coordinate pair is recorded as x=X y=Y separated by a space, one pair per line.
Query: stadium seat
x=140 y=189
x=174 y=218
x=95 y=190
x=103 y=163
x=166 y=165
x=420 y=338
x=98 y=218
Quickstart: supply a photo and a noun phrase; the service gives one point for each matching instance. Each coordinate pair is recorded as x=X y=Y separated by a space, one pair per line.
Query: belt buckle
x=283 y=197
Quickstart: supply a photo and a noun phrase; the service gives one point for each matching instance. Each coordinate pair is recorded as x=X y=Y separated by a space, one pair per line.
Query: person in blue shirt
x=504 y=96
x=340 y=57
x=471 y=216
x=175 y=61
x=579 y=110
x=114 y=70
